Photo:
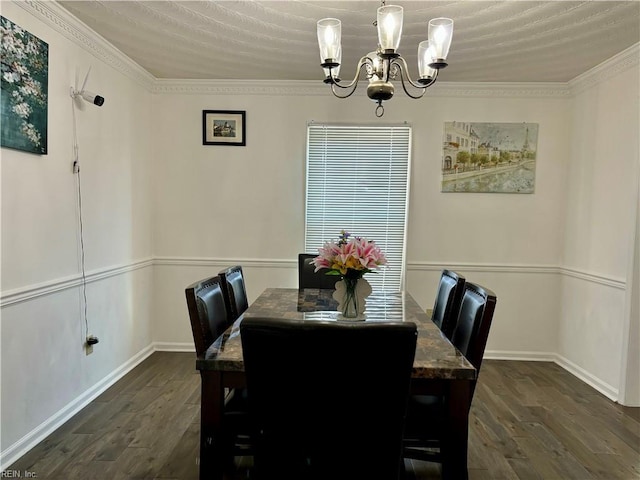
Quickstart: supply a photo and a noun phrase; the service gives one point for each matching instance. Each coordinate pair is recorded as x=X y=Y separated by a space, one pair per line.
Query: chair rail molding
x=214 y=262
x=597 y=278
x=30 y=292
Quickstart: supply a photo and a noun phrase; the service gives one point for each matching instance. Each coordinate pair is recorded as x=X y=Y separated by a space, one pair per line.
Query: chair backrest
x=474 y=321
x=448 y=299
x=207 y=312
x=234 y=290
x=328 y=398
x=309 y=278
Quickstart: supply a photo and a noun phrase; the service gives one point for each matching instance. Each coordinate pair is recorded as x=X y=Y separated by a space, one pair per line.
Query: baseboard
x=525 y=356
x=174 y=347
x=31 y=439
x=519 y=356
x=604 y=388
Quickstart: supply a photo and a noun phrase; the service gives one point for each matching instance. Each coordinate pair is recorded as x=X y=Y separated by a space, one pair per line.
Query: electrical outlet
x=91 y=341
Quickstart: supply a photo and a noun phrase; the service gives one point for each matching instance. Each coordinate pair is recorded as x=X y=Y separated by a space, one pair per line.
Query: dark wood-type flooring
x=529 y=420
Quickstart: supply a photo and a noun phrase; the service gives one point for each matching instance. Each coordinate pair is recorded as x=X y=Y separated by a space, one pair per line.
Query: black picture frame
x=224 y=127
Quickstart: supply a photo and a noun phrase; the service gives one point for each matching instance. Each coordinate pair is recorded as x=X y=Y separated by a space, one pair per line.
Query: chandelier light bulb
x=425 y=58
x=329 y=36
x=389 y=27
x=389 y=24
x=440 y=33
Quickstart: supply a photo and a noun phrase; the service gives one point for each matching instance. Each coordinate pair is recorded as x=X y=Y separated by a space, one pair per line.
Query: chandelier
x=386 y=64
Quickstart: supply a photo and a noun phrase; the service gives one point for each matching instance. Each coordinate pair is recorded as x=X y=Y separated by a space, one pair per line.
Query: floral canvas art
x=23 y=96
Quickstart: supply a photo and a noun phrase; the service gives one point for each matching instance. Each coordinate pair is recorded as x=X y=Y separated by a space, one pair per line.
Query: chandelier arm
x=354 y=83
x=346 y=95
x=421 y=86
x=401 y=64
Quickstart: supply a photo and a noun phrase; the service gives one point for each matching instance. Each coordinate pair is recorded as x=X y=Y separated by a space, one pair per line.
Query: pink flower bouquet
x=349 y=257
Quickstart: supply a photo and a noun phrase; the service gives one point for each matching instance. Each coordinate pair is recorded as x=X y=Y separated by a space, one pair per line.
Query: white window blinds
x=358 y=180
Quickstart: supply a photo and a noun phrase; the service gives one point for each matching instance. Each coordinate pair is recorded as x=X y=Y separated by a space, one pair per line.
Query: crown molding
x=615 y=65
x=500 y=89
x=79 y=33
x=317 y=88
x=239 y=87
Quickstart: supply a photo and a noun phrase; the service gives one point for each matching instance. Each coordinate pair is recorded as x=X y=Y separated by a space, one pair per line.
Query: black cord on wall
x=76 y=171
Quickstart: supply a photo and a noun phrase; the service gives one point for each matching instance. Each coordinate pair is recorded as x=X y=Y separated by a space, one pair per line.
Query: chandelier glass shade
x=385 y=64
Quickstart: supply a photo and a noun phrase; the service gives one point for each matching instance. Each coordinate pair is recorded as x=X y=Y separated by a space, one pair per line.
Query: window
x=358 y=180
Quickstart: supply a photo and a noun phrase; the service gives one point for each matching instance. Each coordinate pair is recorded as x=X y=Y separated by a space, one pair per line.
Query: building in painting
x=458 y=136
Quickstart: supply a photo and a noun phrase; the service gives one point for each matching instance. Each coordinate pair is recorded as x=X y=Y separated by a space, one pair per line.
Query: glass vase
x=350 y=306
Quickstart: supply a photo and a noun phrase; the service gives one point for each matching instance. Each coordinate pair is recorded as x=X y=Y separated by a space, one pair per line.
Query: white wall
x=630 y=381
x=153 y=195
x=600 y=225
x=552 y=271
x=224 y=204
x=45 y=372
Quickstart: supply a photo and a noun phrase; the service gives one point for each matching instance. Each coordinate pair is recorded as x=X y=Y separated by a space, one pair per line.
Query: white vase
x=352 y=300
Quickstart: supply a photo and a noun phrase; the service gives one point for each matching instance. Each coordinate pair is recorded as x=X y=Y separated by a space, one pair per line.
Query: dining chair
x=424 y=427
x=328 y=399
x=448 y=300
x=207 y=312
x=209 y=320
x=309 y=278
x=235 y=292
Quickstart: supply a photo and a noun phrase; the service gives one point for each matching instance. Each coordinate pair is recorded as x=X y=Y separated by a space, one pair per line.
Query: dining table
x=438 y=367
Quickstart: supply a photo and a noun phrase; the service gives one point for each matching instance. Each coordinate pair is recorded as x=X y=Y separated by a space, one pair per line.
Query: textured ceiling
x=505 y=41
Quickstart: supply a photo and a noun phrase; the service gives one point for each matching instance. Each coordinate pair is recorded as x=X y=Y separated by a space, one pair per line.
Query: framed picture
x=489 y=157
x=224 y=127
x=23 y=96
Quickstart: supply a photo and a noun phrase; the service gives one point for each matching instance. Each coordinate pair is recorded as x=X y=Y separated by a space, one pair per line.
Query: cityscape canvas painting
x=23 y=96
x=489 y=157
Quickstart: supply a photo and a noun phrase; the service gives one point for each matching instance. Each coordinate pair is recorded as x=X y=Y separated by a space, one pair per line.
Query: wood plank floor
x=529 y=420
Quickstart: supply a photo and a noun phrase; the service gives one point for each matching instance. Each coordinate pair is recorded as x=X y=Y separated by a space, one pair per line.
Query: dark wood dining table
x=438 y=367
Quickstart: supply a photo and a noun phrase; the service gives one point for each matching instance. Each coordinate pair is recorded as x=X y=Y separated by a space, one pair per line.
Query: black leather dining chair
x=424 y=428
x=309 y=278
x=328 y=398
x=235 y=292
x=207 y=312
x=448 y=300
x=209 y=319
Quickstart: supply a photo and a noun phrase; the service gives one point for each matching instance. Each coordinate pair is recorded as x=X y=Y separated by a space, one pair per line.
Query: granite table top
x=436 y=357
